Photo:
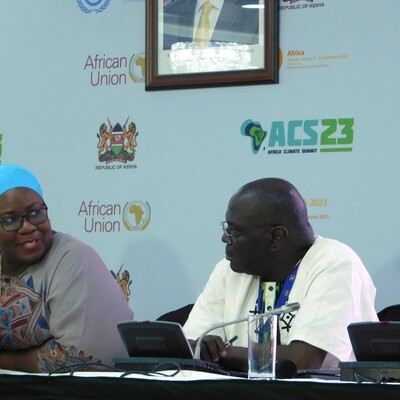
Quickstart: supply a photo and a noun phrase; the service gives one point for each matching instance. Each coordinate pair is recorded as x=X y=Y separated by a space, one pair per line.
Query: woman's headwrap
x=13 y=176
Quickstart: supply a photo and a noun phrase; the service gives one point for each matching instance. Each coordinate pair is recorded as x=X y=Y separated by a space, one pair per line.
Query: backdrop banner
x=145 y=176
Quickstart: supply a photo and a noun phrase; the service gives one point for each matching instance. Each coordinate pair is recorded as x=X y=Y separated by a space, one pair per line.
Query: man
x=273 y=258
x=228 y=21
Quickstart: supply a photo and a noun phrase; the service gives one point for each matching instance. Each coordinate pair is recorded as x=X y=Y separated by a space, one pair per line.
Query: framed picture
x=193 y=43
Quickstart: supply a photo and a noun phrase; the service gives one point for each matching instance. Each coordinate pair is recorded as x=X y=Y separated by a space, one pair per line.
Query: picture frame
x=245 y=58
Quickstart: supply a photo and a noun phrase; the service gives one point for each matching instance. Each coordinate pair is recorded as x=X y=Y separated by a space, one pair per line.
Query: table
x=204 y=386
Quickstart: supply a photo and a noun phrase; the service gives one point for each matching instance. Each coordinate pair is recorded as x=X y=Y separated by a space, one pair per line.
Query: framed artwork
x=193 y=43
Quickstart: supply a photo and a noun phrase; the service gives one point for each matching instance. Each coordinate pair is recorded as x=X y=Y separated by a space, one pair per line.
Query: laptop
x=155 y=346
x=376 y=346
x=375 y=341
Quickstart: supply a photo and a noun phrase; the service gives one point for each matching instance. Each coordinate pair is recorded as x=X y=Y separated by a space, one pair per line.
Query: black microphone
x=276 y=311
x=285 y=369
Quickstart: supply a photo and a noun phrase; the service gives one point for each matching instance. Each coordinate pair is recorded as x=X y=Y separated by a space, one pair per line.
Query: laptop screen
x=375 y=341
x=155 y=339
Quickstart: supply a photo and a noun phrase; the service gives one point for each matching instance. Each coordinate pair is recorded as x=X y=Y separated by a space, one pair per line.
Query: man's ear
x=279 y=237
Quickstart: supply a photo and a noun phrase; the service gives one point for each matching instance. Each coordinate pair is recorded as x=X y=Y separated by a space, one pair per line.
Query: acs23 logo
x=331 y=135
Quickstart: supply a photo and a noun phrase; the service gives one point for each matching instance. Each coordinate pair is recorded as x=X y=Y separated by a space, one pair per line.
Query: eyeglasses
x=229 y=232
x=14 y=222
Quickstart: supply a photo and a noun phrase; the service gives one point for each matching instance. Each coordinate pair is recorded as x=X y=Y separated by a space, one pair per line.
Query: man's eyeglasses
x=229 y=232
x=14 y=222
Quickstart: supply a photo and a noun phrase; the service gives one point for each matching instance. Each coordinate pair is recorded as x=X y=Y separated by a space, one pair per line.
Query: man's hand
x=234 y=358
x=304 y=355
x=211 y=349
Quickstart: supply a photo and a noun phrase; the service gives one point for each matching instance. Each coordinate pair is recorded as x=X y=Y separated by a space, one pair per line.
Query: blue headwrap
x=14 y=176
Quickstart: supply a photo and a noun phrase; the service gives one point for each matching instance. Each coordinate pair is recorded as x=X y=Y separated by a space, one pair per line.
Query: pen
x=230 y=341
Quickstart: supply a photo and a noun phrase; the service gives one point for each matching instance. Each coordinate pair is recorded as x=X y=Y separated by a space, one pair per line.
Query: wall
x=340 y=61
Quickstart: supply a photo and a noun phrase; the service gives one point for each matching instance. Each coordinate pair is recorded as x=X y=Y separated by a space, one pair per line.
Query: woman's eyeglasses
x=14 y=222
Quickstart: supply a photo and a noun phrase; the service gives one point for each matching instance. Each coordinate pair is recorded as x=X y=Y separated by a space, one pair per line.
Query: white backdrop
x=340 y=61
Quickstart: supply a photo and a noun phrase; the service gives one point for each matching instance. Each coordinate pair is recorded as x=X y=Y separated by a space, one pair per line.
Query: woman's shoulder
x=66 y=247
x=65 y=241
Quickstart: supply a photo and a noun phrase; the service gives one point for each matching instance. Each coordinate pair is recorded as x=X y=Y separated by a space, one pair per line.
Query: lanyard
x=287 y=286
x=260 y=298
x=284 y=295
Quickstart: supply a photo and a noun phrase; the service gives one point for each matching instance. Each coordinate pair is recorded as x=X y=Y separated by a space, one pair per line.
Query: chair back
x=391 y=313
x=180 y=315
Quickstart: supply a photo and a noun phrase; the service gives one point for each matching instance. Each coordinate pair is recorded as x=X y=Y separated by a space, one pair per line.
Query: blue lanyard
x=287 y=287
x=284 y=295
x=260 y=297
x=282 y=300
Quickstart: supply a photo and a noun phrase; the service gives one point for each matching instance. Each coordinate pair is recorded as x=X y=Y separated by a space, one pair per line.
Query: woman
x=59 y=304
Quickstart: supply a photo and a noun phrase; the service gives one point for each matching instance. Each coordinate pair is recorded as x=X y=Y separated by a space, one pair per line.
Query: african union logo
x=116 y=142
x=136 y=215
x=137 y=67
x=88 y=6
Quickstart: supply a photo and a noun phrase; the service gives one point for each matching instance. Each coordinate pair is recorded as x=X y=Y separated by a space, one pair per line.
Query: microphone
x=285 y=369
x=276 y=311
